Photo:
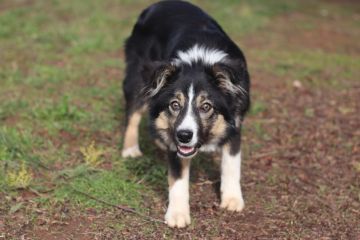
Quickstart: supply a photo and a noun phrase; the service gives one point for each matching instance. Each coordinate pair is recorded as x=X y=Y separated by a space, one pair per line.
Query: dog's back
x=164 y=29
x=170 y=26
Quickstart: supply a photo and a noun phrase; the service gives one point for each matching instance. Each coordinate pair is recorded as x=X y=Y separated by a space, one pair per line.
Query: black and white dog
x=192 y=79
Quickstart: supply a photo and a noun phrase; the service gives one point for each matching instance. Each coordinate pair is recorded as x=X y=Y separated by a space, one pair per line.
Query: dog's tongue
x=186 y=150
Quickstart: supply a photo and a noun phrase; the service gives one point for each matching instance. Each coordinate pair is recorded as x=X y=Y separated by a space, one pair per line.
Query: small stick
x=122 y=208
x=261 y=155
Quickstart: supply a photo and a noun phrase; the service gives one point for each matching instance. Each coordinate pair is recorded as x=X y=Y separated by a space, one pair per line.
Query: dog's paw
x=131 y=152
x=177 y=219
x=232 y=203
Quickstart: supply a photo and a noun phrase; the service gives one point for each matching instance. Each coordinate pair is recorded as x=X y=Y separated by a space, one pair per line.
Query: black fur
x=164 y=29
x=177 y=53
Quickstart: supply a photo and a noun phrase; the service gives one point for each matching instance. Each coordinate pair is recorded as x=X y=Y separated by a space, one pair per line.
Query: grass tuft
x=19 y=179
x=92 y=154
x=17 y=146
x=147 y=170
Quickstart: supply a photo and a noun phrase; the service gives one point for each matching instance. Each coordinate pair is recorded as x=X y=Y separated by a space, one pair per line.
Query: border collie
x=192 y=79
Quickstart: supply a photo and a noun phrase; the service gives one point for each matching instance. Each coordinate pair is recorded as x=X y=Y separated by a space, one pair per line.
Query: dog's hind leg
x=134 y=110
x=135 y=106
x=131 y=137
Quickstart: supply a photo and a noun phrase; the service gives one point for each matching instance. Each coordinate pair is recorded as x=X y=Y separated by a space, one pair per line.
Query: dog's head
x=193 y=106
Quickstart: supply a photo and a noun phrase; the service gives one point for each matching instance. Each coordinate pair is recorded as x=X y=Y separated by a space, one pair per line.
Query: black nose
x=184 y=136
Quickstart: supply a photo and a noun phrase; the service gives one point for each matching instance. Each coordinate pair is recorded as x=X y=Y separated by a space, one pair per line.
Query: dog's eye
x=175 y=106
x=206 y=107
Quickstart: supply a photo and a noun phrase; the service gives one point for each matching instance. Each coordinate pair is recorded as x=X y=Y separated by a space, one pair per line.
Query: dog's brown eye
x=175 y=106
x=206 y=107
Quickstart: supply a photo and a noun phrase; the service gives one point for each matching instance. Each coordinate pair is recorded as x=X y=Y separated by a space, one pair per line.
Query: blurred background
x=61 y=122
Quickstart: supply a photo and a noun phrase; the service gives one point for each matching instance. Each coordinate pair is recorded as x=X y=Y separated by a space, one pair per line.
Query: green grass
x=43 y=74
x=310 y=67
x=60 y=115
x=240 y=18
x=18 y=145
x=257 y=107
x=10 y=108
x=111 y=187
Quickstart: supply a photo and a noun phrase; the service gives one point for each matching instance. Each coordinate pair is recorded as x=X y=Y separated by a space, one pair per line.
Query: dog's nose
x=184 y=136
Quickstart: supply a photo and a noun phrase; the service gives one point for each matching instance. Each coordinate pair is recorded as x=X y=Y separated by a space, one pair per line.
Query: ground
x=61 y=123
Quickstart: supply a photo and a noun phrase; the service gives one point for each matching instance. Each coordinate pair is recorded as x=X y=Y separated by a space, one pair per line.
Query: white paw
x=177 y=218
x=232 y=203
x=131 y=152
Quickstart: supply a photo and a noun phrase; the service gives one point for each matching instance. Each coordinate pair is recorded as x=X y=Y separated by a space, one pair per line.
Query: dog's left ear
x=155 y=76
x=233 y=78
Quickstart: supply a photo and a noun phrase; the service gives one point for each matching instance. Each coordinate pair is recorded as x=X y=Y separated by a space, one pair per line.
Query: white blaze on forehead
x=189 y=121
x=200 y=53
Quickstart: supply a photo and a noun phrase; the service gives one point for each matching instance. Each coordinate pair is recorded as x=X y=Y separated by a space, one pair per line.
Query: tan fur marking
x=132 y=130
x=162 y=122
x=226 y=147
x=219 y=126
x=160 y=144
x=201 y=98
x=180 y=96
x=171 y=180
x=185 y=164
x=205 y=123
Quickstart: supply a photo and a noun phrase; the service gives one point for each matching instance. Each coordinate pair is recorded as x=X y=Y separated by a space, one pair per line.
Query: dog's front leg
x=178 y=212
x=231 y=195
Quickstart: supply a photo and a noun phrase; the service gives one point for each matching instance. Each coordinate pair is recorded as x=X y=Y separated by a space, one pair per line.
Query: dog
x=192 y=80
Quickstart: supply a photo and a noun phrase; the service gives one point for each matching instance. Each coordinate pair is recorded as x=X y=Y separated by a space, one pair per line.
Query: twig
x=207 y=182
x=122 y=208
x=261 y=155
x=35 y=192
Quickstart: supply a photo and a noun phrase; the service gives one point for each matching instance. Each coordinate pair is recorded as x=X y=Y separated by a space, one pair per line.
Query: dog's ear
x=155 y=76
x=232 y=78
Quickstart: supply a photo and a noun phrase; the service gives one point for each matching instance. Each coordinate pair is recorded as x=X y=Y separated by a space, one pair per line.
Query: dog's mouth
x=186 y=151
